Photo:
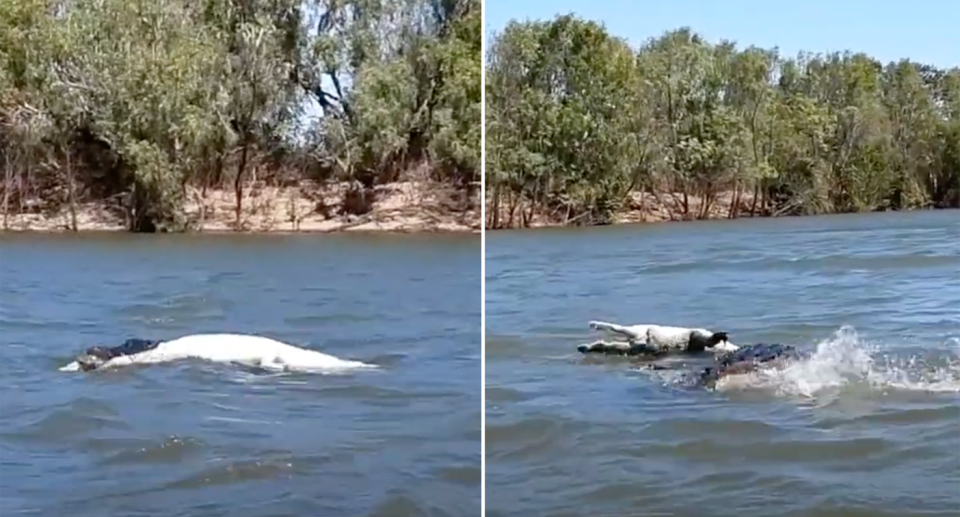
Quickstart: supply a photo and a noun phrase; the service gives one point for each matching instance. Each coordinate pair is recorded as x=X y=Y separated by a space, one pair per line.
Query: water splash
x=847 y=362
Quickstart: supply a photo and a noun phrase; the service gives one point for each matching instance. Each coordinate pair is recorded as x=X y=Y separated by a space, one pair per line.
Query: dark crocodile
x=96 y=356
x=748 y=359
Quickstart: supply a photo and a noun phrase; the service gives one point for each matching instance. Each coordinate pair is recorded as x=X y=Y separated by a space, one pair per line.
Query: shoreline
x=646 y=208
x=399 y=208
x=675 y=221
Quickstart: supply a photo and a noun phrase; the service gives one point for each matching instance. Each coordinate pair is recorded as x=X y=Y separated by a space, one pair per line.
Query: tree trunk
x=533 y=205
x=71 y=194
x=643 y=204
x=238 y=185
x=496 y=208
x=202 y=202
x=764 y=201
x=7 y=171
x=702 y=206
x=735 y=202
x=706 y=203
x=130 y=209
x=217 y=173
x=20 y=186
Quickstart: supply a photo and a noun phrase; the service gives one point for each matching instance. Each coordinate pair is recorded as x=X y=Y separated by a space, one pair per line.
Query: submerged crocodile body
x=744 y=360
x=748 y=359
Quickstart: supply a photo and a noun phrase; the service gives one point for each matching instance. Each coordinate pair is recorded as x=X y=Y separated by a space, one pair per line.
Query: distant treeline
x=577 y=121
x=134 y=101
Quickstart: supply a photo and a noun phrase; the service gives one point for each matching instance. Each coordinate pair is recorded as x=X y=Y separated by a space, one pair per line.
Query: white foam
x=843 y=361
x=724 y=347
x=256 y=351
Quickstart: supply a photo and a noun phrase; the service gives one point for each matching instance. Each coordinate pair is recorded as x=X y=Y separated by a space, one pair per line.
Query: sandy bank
x=398 y=207
x=641 y=207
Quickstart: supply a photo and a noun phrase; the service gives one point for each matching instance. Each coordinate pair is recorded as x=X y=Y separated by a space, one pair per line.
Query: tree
x=135 y=102
x=577 y=122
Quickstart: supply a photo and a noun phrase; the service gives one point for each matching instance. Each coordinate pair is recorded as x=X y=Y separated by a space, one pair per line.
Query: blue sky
x=922 y=30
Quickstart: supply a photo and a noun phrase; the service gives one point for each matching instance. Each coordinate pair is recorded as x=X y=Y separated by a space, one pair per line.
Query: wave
x=846 y=362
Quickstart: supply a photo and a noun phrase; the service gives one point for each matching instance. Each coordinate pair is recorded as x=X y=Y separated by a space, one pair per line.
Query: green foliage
x=577 y=121
x=400 y=82
x=137 y=100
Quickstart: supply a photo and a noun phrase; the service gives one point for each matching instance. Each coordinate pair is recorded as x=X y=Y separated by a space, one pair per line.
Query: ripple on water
x=75 y=418
x=225 y=471
x=173 y=449
x=181 y=309
x=196 y=438
x=866 y=426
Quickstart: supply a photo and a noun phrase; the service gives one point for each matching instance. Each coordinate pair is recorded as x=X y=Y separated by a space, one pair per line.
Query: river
x=869 y=425
x=201 y=439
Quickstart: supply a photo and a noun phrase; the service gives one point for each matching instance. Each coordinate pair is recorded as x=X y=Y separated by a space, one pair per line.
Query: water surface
x=199 y=439
x=869 y=426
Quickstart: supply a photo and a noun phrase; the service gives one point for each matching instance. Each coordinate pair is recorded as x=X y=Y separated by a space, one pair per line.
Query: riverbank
x=403 y=207
x=643 y=207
